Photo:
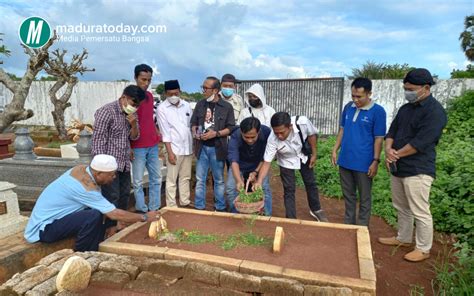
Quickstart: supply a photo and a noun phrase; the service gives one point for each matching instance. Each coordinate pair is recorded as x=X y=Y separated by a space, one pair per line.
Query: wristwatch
x=218 y=134
x=144 y=217
x=377 y=160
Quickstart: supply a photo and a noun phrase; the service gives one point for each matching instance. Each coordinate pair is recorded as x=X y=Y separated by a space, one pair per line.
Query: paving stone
x=46 y=288
x=280 y=286
x=54 y=257
x=31 y=279
x=310 y=290
x=203 y=273
x=240 y=282
x=147 y=282
x=110 y=279
x=169 y=268
x=118 y=266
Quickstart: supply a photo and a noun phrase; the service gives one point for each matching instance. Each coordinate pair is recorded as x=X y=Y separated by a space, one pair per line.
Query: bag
x=306 y=149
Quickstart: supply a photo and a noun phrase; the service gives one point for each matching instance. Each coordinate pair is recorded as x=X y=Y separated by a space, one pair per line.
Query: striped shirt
x=112 y=134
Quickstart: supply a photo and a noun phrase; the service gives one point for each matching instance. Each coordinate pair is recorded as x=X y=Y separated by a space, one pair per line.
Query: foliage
x=455 y=277
x=467 y=37
x=226 y=242
x=195 y=96
x=57 y=144
x=468 y=73
x=250 y=197
x=373 y=70
x=452 y=194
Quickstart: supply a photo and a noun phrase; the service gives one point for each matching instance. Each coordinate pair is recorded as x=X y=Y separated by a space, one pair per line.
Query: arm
x=125 y=216
x=166 y=134
x=337 y=145
x=236 y=173
x=100 y=136
x=373 y=168
x=135 y=129
x=262 y=173
x=313 y=141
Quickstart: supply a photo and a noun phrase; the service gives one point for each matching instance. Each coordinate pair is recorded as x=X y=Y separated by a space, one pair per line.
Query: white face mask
x=211 y=98
x=129 y=109
x=173 y=100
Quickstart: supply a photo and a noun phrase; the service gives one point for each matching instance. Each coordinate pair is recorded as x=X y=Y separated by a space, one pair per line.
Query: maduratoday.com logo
x=35 y=32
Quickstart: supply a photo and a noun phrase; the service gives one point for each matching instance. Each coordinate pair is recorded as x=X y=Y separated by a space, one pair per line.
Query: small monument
x=11 y=221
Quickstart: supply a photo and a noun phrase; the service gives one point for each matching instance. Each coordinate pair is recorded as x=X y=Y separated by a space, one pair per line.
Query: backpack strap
x=299 y=130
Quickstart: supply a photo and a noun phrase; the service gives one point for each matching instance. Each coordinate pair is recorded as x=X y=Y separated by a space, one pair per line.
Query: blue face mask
x=227 y=92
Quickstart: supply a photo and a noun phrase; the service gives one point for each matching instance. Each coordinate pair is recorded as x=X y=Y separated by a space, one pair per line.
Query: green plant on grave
x=250 y=197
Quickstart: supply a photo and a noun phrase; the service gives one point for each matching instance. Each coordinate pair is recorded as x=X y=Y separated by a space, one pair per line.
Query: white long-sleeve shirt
x=288 y=152
x=175 y=126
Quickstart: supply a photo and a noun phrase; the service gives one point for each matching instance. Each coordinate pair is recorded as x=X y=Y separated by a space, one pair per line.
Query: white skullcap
x=104 y=163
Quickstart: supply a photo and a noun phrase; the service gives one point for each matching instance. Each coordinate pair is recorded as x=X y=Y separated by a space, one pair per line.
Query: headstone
x=84 y=146
x=279 y=239
x=10 y=219
x=69 y=151
x=23 y=145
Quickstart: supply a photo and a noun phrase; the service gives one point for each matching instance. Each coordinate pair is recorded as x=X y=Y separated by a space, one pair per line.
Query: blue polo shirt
x=64 y=196
x=361 y=127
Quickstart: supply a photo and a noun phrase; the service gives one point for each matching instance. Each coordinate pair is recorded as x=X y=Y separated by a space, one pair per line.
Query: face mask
x=227 y=92
x=211 y=98
x=255 y=103
x=411 y=96
x=129 y=109
x=173 y=99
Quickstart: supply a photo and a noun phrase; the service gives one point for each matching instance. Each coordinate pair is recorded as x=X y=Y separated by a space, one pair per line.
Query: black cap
x=228 y=78
x=419 y=76
x=171 y=84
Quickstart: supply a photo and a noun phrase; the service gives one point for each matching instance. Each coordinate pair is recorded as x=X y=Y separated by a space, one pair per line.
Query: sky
x=257 y=39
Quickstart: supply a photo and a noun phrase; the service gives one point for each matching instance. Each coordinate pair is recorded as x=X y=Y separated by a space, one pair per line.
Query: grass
x=57 y=144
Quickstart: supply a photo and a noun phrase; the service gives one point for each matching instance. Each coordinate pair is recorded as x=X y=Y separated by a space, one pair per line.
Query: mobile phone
x=393 y=168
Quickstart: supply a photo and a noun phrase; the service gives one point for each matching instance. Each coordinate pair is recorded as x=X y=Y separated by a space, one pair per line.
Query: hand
x=387 y=165
x=172 y=158
x=208 y=135
x=253 y=177
x=256 y=186
x=240 y=185
x=153 y=215
x=132 y=155
x=391 y=155
x=312 y=161
x=132 y=119
x=373 y=169
x=334 y=158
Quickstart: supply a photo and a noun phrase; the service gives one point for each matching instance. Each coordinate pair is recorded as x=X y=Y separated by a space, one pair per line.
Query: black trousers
x=86 y=225
x=118 y=192
x=289 y=189
x=350 y=181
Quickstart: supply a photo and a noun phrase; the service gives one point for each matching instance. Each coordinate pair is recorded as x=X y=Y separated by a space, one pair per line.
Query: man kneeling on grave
x=73 y=206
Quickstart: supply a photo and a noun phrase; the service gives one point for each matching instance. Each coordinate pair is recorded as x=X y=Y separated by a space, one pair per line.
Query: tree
x=15 y=110
x=373 y=70
x=467 y=38
x=65 y=74
x=4 y=50
x=160 y=89
x=468 y=73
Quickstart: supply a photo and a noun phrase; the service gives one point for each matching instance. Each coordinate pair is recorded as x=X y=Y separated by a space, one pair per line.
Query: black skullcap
x=419 y=76
x=228 y=78
x=171 y=84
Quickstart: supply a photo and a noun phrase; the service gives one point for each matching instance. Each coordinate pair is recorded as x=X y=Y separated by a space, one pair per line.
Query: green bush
x=452 y=194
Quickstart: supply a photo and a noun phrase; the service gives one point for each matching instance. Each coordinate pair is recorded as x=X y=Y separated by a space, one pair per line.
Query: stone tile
x=110 y=279
x=118 y=266
x=46 y=288
x=280 y=286
x=240 y=282
x=203 y=273
x=260 y=269
x=310 y=290
x=54 y=257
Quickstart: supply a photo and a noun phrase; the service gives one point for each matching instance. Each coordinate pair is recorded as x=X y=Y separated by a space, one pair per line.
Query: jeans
x=146 y=157
x=289 y=189
x=207 y=158
x=86 y=225
x=350 y=180
x=231 y=192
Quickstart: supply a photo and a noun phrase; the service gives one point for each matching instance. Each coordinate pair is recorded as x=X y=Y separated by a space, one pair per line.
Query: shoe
x=392 y=241
x=319 y=215
x=416 y=256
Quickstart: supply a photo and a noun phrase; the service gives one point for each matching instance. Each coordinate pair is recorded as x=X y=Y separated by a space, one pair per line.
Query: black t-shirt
x=209 y=123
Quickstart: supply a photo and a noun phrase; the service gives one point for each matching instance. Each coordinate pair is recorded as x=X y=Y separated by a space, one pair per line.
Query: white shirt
x=175 y=126
x=288 y=152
